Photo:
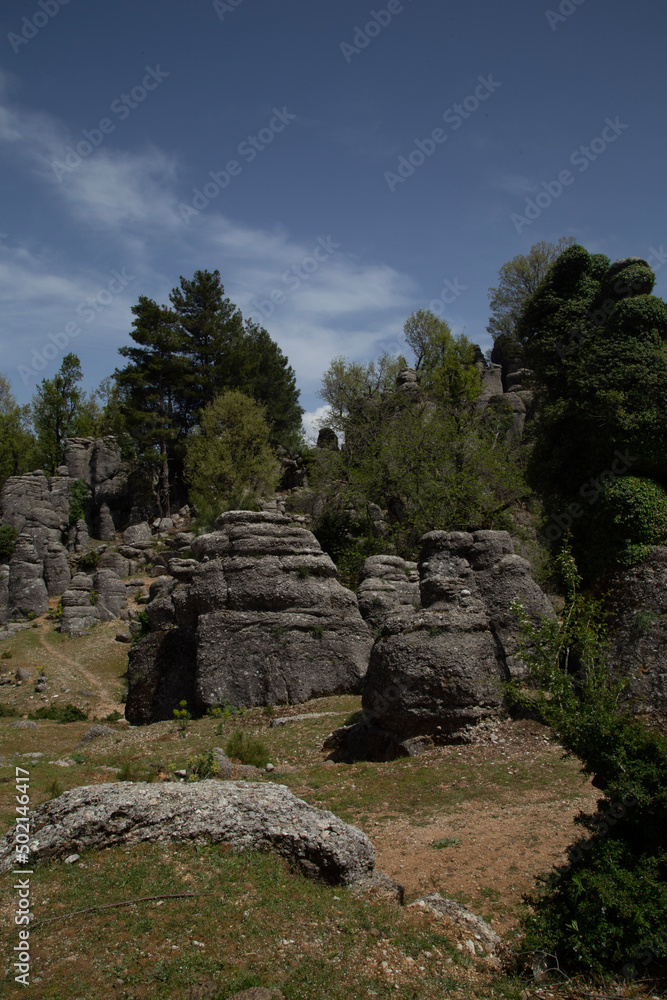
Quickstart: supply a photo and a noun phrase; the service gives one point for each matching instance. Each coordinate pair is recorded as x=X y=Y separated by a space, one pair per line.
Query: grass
x=256 y=923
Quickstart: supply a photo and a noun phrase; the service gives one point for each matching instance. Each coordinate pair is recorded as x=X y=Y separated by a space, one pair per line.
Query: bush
x=605 y=909
x=8 y=711
x=89 y=560
x=60 y=713
x=247 y=749
x=78 y=501
x=112 y=716
x=633 y=514
x=8 y=536
x=203 y=766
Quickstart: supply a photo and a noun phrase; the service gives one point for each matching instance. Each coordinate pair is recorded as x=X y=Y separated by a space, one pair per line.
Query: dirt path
x=106 y=702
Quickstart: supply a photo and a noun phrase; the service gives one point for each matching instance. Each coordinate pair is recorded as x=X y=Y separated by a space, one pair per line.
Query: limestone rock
x=56 y=569
x=248 y=815
x=79 y=611
x=270 y=621
x=94 y=733
x=27 y=591
x=111 y=592
x=161 y=674
x=486 y=940
x=388 y=583
x=137 y=533
x=4 y=594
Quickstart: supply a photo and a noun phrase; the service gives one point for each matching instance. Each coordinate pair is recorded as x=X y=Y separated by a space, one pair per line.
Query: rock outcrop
x=250 y=816
x=388 y=583
x=638 y=608
x=92 y=599
x=437 y=670
x=259 y=618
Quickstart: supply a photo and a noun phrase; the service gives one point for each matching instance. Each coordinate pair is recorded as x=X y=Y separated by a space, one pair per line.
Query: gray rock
x=110 y=590
x=27 y=590
x=269 y=620
x=462 y=918
x=94 y=733
x=137 y=533
x=115 y=561
x=161 y=674
x=388 y=583
x=56 y=569
x=250 y=816
x=4 y=594
x=637 y=604
x=23 y=724
x=303 y=717
x=79 y=611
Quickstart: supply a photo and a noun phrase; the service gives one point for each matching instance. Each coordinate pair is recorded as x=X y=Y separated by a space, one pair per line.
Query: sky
x=341 y=164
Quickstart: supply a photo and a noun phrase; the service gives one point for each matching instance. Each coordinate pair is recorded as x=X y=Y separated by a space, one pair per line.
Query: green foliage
x=60 y=713
x=78 y=500
x=89 y=560
x=61 y=410
x=203 y=766
x=604 y=910
x=231 y=458
x=594 y=336
x=446 y=363
x=346 y=384
x=8 y=536
x=631 y=516
x=8 y=711
x=6 y=654
x=17 y=445
x=445 y=842
x=246 y=749
x=182 y=716
x=112 y=716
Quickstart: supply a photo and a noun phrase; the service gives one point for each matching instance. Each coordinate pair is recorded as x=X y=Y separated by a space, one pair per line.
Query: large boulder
x=27 y=591
x=435 y=672
x=271 y=622
x=79 y=608
x=250 y=816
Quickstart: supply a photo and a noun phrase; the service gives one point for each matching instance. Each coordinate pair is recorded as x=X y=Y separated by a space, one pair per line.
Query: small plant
x=40 y=669
x=247 y=749
x=6 y=654
x=434 y=631
x=303 y=572
x=269 y=710
x=7 y=711
x=446 y=842
x=203 y=766
x=54 y=789
x=144 y=623
x=78 y=758
x=30 y=616
x=318 y=632
x=93 y=597
x=182 y=716
x=215 y=711
x=112 y=716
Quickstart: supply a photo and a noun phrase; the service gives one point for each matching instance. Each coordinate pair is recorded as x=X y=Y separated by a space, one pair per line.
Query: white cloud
x=312 y=421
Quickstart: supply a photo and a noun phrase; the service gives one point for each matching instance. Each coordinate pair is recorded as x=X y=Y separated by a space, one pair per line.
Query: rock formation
x=388 y=583
x=258 y=618
x=638 y=626
x=437 y=670
x=250 y=816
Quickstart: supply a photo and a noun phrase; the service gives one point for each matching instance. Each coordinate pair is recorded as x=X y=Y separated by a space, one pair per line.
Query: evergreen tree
x=152 y=385
x=17 y=445
x=261 y=370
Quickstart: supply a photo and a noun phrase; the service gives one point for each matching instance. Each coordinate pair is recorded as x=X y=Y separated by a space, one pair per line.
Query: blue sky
x=114 y=115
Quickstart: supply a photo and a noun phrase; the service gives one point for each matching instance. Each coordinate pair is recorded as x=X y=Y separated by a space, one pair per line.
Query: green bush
x=605 y=909
x=89 y=560
x=8 y=536
x=78 y=501
x=60 y=713
x=112 y=716
x=247 y=749
x=203 y=766
x=632 y=515
x=7 y=711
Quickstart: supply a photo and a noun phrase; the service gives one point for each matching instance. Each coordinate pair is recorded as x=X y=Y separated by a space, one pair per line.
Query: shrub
x=203 y=766
x=112 y=716
x=182 y=715
x=89 y=560
x=7 y=711
x=78 y=501
x=605 y=909
x=247 y=749
x=6 y=655
x=60 y=713
x=8 y=536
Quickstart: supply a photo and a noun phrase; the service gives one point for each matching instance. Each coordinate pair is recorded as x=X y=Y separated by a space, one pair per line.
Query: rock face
x=388 y=583
x=260 y=619
x=437 y=670
x=89 y=600
x=99 y=463
x=250 y=816
x=638 y=605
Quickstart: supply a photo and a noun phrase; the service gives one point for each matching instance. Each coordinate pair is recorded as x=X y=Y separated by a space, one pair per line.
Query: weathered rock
x=250 y=816
x=79 y=611
x=94 y=733
x=436 y=672
x=111 y=592
x=137 y=533
x=4 y=594
x=638 y=609
x=270 y=620
x=388 y=583
x=115 y=561
x=56 y=569
x=161 y=674
x=23 y=724
x=27 y=591
x=485 y=939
